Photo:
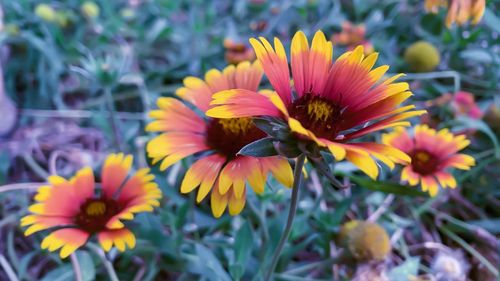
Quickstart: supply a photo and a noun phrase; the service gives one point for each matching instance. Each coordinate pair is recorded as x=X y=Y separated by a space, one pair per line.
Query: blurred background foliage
x=61 y=60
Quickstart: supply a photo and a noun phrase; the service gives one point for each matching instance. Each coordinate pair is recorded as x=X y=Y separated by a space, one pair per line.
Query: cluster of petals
x=330 y=103
x=432 y=154
x=459 y=11
x=75 y=209
x=218 y=170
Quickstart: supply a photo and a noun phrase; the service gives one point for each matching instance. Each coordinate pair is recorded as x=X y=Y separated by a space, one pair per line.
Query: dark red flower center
x=317 y=114
x=424 y=162
x=95 y=214
x=228 y=136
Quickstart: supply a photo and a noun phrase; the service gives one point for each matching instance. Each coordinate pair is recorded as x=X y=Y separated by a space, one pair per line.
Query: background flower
x=76 y=210
x=432 y=154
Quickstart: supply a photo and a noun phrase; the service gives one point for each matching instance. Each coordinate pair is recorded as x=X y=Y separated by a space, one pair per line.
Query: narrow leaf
x=388 y=187
x=259 y=148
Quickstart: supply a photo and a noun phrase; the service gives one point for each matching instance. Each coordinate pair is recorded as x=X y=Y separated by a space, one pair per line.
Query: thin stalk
x=107 y=264
x=433 y=75
x=76 y=267
x=9 y=271
x=113 y=120
x=297 y=177
x=20 y=186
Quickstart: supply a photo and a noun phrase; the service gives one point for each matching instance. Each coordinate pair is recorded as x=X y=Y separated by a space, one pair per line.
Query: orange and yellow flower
x=351 y=36
x=432 y=154
x=237 y=52
x=219 y=169
x=78 y=210
x=333 y=103
x=459 y=11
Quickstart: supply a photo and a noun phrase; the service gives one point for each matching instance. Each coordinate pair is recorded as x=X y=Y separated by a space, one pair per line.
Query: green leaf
x=403 y=271
x=62 y=273
x=478 y=55
x=259 y=148
x=469 y=123
x=206 y=264
x=388 y=187
x=491 y=20
x=242 y=250
x=87 y=265
x=491 y=225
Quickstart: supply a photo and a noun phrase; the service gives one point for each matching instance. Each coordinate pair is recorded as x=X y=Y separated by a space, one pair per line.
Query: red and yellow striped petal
x=237 y=103
x=66 y=239
x=114 y=171
x=170 y=109
x=172 y=147
x=408 y=175
x=280 y=168
x=39 y=222
x=61 y=198
x=446 y=179
x=275 y=65
x=399 y=139
x=202 y=173
x=120 y=238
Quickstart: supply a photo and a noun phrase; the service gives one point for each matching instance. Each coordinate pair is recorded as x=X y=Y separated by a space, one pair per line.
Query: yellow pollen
x=96 y=208
x=236 y=125
x=320 y=110
x=422 y=157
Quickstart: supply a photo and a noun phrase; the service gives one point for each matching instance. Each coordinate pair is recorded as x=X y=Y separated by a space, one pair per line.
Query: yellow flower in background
x=90 y=9
x=432 y=154
x=332 y=103
x=422 y=56
x=459 y=11
x=219 y=170
x=45 y=12
x=76 y=210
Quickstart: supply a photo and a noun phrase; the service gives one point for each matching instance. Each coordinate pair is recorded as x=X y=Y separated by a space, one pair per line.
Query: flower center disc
x=424 y=162
x=317 y=114
x=95 y=214
x=228 y=136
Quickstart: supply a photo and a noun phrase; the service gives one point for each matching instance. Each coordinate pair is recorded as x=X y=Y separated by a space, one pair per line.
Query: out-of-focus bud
x=492 y=118
x=365 y=241
x=449 y=266
x=62 y=19
x=45 y=12
x=90 y=10
x=11 y=29
x=127 y=13
x=422 y=56
x=258 y=25
x=237 y=52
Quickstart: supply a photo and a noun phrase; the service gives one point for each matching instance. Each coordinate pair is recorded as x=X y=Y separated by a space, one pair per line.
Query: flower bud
x=422 y=56
x=45 y=12
x=11 y=29
x=366 y=240
x=90 y=9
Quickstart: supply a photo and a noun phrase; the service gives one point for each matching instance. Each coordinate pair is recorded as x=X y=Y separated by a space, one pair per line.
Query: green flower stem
x=107 y=264
x=297 y=177
x=113 y=120
x=434 y=75
x=76 y=267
